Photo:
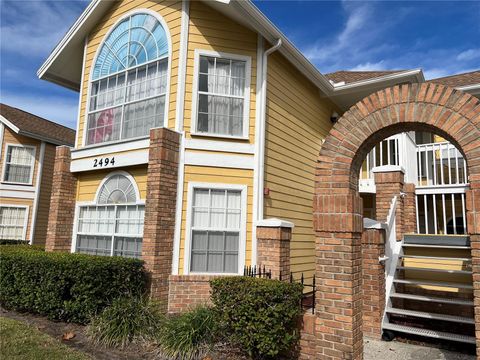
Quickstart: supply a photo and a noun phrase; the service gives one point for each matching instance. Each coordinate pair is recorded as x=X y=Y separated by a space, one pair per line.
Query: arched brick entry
x=338 y=219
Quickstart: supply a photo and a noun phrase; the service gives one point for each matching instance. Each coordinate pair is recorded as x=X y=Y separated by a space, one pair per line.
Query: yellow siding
x=88 y=182
x=222 y=176
x=17 y=201
x=171 y=11
x=298 y=119
x=210 y=30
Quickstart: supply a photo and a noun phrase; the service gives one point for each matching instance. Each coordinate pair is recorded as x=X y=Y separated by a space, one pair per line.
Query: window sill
x=218 y=136
x=17 y=183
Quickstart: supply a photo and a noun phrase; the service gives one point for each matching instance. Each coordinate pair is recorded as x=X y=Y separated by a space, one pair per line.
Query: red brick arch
x=338 y=222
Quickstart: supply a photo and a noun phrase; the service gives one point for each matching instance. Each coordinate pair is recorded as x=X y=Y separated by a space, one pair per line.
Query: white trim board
x=219 y=160
x=182 y=66
x=121 y=160
x=17 y=194
x=127 y=145
x=243 y=224
x=38 y=183
x=223 y=146
x=179 y=207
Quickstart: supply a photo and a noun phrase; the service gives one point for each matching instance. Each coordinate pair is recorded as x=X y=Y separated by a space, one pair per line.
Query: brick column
x=273 y=246
x=62 y=203
x=159 y=226
x=373 y=279
x=389 y=181
x=409 y=209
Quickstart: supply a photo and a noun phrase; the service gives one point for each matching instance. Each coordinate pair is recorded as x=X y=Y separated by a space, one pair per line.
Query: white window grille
x=19 y=163
x=222 y=96
x=113 y=226
x=13 y=222
x=129 y=81
x=215 y=230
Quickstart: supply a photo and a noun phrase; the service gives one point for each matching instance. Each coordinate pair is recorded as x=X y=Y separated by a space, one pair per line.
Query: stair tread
x=430 y=315
x=434 y=283
x=438 y=246
x=430 y=333
x=434 y=257
x=446 y=271
x=432 y=299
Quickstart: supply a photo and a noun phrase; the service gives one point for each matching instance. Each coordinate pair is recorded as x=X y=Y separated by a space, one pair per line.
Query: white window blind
x=19 y=164
x=114 y=226
x=215 y=231
x=12 y=223
x=221 y=96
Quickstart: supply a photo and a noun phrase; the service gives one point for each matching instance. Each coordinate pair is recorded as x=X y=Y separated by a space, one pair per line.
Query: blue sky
x=441 y=37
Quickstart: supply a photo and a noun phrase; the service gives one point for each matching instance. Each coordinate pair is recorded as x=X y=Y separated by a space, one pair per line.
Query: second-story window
x=129 y=81
x=222 y=95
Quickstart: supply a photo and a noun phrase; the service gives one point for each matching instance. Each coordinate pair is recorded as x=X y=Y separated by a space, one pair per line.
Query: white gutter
x=467 y=88
x=259 y=158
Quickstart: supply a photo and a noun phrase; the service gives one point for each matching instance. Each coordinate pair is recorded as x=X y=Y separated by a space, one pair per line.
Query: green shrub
x=189 y=335
x=65 y=286
x=259 y=314
x=126 y=320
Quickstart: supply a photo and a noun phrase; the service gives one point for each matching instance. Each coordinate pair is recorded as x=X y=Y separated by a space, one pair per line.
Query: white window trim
x=27 y=214
x=243 y=225
x=90 y=80
x=246 y=108
x=30 y=181
x=80 y=204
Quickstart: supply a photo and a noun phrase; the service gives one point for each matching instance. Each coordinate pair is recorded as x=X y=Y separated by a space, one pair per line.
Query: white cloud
x=54 y=108
x=368 y=66
x=470 y=54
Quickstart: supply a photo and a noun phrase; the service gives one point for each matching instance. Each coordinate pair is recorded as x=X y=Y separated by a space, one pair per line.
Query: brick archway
x=338 y=222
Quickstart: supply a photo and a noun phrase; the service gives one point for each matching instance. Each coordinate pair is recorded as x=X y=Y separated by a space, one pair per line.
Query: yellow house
x=27 y=156
x=199 y=124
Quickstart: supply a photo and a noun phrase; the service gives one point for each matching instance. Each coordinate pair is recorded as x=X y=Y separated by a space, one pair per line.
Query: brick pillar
x=273 y=246
x=373 y=280
x=389 y=181
x=409 y=209
x=159 y=226
x=62 y=203
x=338 y=233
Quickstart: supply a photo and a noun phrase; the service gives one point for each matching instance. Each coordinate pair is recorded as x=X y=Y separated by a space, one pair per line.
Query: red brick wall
x=160 y=208
x=62 y=203
x=373 y=281
x=409 y=209
x=449 y=113
x=307 y=343
x=273 y=250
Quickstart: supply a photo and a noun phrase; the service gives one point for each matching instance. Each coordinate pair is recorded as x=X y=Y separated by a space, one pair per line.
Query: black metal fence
x=308 y=298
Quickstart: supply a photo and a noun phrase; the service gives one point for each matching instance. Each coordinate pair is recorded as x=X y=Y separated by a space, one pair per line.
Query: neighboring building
x=239 y=118
x=27 y=156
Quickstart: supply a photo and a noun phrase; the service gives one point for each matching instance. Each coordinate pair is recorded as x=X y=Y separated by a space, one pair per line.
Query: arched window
x=129 y=81
x=114 y=224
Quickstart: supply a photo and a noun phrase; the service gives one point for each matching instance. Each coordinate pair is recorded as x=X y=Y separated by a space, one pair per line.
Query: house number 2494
x=102 y=162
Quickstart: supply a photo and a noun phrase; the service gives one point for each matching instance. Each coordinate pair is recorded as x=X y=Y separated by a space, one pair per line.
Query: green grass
x=20 y=341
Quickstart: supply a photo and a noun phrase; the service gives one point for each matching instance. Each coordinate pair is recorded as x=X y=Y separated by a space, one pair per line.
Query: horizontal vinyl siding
x=171 y=11
x=210 y=30
x=88 y=182
x=298 y=120
x=217 y=176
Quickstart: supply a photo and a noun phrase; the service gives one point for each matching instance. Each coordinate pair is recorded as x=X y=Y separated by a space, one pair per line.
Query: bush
x=259 y=314
x=65 y=286
x=189 y=335
x=126 y=320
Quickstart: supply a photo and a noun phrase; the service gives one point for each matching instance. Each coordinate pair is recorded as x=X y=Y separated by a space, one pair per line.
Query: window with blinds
x=215 y=230
x=113 y=226
x=19 y=163
x=13 y=222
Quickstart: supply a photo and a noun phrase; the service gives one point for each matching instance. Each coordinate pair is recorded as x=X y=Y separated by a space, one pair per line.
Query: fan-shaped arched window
x=129 y=81
x=114 y=224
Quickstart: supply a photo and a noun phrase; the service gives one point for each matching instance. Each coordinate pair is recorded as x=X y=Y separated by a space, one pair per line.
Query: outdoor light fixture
x=334 y=117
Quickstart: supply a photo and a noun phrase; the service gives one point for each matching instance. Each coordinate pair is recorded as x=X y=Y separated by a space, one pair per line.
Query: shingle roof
x=469 y=78
x=35 y=126
x=353 y=76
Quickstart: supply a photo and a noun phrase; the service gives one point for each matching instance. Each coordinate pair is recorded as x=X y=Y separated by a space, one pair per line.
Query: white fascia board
x=382 y=80
x=274 y=222
x=219 y=160
x=7 y=123
x=474 y=89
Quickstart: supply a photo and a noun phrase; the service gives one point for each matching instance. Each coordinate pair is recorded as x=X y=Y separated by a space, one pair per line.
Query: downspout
x=260 y=143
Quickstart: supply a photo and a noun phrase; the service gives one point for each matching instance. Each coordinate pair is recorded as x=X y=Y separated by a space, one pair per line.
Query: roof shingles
x=459 y=80
x=35 y=126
